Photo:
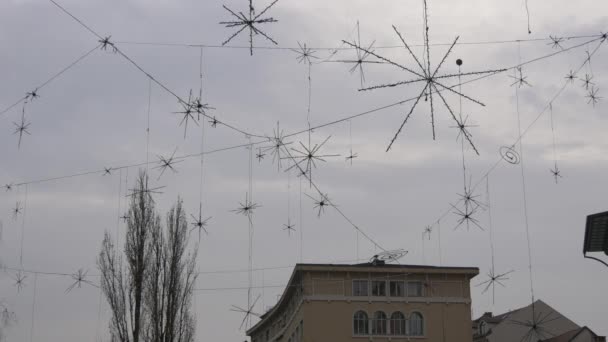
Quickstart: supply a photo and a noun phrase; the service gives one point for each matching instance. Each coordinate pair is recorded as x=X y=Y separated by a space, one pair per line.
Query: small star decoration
x=520 y=80
x=556 y=172
x=260 y=155
x=556 y=42
x=17 y=210
x=247 y=312
x=19 y=280
x=362 y=56
x=351 y=156
x=428 y=230
x=289 y=227
x=466 y=216
x=246 y=208
x=107 y=171
x=79 y=278
x=493 y=279
x=463 y=132
x=320 y=204
x=304 y=54
x=8 y=187
x=105 y=43
x=21 y=128
x=278 y=142
x=587 y=81
x=199 y=223
x=571 y=76
x=32 y=95
x=593 y=97
x=167 y=163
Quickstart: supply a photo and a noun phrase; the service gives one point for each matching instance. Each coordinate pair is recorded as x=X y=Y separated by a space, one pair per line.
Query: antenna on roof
x=387 y=256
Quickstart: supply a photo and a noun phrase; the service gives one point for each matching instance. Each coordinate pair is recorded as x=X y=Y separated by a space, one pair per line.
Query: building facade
x=340 y=303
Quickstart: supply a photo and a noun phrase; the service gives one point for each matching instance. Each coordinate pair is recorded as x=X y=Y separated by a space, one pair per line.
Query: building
x=516 y=325
x=371 y=301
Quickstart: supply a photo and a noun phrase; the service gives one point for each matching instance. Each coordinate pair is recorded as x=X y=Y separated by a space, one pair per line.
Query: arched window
x=416 y=325
x=361 y=323
x=397 y=324
x=379 y=323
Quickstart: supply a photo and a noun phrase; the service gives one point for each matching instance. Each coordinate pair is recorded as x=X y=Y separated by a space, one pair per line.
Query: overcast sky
x=95 y=116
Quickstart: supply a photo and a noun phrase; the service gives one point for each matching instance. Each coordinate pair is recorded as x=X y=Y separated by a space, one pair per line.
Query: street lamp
x=596 y=235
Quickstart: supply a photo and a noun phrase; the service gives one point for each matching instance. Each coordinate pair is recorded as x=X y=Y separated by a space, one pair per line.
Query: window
x=397 y=324
x=416 y=324
x=361 y=323
x=360 y=288
x=414 y=289
x=397 y=288
x=378 y=288
x=483 y=328
x=379 y=323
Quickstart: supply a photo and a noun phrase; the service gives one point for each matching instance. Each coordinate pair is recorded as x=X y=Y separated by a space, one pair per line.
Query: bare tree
x=7 y=318
x=150 y=293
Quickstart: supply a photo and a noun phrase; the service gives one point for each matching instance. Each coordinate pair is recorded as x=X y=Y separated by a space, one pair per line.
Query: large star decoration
x=536 y=326
x=432 y=80
x=251 y=22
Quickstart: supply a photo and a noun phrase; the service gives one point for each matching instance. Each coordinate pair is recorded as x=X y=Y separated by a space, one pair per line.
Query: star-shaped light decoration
x=251 y=22
x=536 y=326
x=8 y=187
x=362 y=56
x=428 y=231
x=17 y=210
x=145 y=191
x=79 y=278
x=309 y=155
x=246 y=208
x=556 y=172
x=187 y=113
x=305 y=54
x=278 y=142
x=593 y=97
x=556 y=42
x=260 y=155
x=466 y=217
x=247 y=312
x=571 y=76
x=289 y=227
x=107 y=171
x=463 y=132
x=167 y=163
x=105 y=43
x=469 y=198
x=520 y=79
x=21 y=128
x=19 y=280
x=213 y=122
x=200 y=107
x=200 y=223
x=125 y=217
x=587 y=82
x=351 y=156
x=493 y=279
x=31 y=95
x=433 y=82
x=320 y=204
